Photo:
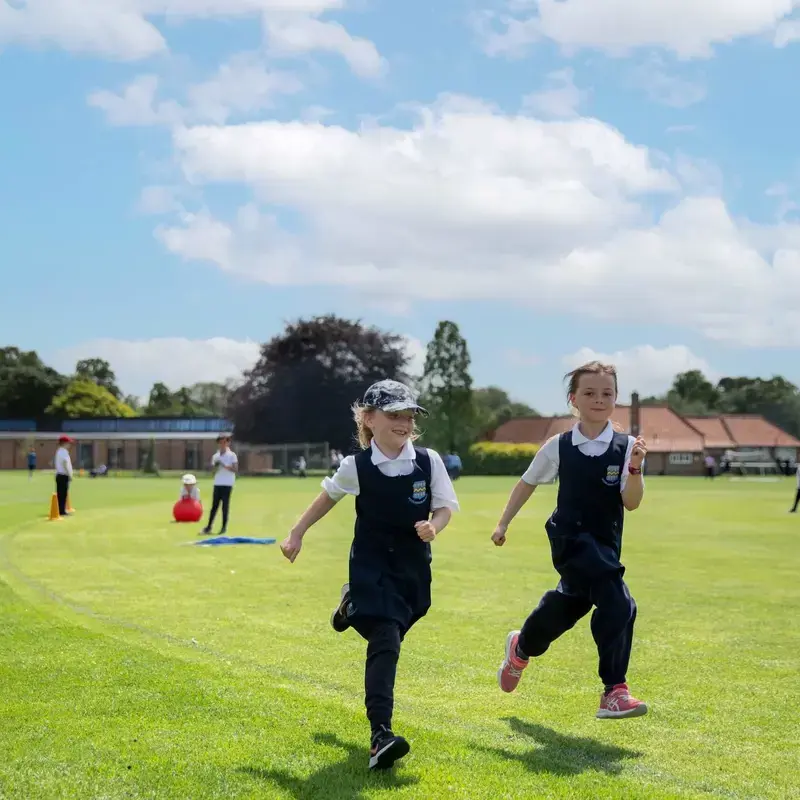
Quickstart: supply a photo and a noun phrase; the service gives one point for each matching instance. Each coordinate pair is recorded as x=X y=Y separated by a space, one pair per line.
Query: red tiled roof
x=662 y=428
x=752 y=430
x=714 y=432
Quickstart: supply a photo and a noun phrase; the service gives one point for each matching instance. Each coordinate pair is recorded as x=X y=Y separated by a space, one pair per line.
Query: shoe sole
x=386 y=757
x=338 y=609
x=509 y=639
x=639 y=711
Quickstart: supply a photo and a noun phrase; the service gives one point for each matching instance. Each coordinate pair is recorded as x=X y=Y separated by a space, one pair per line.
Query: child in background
x=225 y=465
x=189 y=488
x=404 y=499
x=600 y=475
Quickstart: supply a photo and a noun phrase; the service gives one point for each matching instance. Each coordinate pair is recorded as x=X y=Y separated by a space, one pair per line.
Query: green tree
x=160 y=402
x=493 y=407
x=82 y=398
x=447 y=390
x=98 y=371
x=27 y=384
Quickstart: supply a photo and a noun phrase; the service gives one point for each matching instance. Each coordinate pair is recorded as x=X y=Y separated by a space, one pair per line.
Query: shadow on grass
x=347 y=778
x=562 y=754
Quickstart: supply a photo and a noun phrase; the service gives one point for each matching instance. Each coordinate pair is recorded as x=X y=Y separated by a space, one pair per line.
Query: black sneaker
x=386 y=748
x=223 y=531
x=339 y=616
x=206 y=531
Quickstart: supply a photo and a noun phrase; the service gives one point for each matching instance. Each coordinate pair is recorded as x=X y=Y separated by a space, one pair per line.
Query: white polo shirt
x=345 y=481
x=62 y=462
x=224 y=477
x=544 y=467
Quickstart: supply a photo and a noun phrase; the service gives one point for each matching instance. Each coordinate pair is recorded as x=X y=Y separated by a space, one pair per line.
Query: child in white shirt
x=189 y=488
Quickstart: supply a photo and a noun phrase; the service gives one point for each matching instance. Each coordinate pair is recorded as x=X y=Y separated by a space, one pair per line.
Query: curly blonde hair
x=364 y=432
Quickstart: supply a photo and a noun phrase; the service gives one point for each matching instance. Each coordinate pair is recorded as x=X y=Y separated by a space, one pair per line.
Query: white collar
x=379 y=457
x=606 y=435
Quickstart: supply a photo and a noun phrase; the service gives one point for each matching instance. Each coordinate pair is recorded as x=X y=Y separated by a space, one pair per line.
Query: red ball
x=187 y=510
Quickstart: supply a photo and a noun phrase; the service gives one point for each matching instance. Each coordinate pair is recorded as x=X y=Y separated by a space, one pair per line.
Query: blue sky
x=561 y=179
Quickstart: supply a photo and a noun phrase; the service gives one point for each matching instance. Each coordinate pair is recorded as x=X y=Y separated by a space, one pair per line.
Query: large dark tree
x=306 y=379
x=27 y=385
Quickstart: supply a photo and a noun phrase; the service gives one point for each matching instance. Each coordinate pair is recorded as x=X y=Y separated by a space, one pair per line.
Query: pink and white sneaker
x=620 y=704
x=510 y=671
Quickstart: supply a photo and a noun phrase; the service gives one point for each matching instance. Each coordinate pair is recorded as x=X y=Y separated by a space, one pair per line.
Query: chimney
x=635 y=414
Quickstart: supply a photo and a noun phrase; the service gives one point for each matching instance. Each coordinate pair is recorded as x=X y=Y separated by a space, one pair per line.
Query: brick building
x=676 y=445
x=180 y=444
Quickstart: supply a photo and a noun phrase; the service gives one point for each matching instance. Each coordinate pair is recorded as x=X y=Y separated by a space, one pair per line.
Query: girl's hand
x=291 y=545
x=425 y=530
x=499 y=535
x=638 y=452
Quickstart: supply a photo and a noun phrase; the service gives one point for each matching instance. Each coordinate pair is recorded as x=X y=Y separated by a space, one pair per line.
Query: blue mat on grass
x=234 y=540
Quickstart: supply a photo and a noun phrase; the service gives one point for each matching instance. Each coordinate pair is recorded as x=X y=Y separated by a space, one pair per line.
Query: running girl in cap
x=404 y=498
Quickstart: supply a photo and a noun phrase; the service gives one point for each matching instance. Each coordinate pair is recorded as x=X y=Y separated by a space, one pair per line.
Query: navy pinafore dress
x=390 y=566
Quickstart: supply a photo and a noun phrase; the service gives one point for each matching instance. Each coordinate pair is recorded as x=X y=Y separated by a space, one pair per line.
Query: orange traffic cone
x=54 y=515
x=70 y=509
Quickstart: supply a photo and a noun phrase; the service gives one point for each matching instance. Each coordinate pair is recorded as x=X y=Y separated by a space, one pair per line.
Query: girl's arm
x=313 y=514
x=440 y=518
x=520 y=495
x=290 y=546
x=634 y=483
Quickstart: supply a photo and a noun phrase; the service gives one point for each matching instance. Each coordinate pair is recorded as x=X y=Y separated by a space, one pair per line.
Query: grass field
x=134 y=667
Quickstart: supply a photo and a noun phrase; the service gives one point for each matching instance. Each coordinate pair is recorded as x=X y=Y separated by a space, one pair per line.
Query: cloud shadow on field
x=562 y=754
x=348 y=778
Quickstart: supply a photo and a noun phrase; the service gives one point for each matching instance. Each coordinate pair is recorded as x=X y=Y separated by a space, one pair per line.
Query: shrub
x=499 y=458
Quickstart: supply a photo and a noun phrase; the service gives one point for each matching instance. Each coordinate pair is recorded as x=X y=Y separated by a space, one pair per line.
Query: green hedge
x=499 y=458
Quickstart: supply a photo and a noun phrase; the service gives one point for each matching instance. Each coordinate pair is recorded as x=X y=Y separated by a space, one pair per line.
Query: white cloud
x=669 y=90
x=561 y=99
x=243 y=85
x=301 y=35
x=158 y=200
x=469 y=204
x=415 y=350
x=124 y=29
x=645 y=369
x=136 y=105
x=174 y=361
x=689 y=28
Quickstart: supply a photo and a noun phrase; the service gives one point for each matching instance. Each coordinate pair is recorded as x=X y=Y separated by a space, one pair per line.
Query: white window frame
x=681 y=459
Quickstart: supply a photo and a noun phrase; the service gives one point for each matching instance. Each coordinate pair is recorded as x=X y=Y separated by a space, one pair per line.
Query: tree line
x=776 y=399
x=307 y=377
x=30 y=389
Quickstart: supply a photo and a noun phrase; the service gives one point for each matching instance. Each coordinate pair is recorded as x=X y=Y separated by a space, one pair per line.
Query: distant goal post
x=283 y=459
x=750 y=462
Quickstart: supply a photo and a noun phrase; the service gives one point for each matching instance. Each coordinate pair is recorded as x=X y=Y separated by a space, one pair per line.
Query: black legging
x=796 y=499
x=62 y=488
x=222 y=494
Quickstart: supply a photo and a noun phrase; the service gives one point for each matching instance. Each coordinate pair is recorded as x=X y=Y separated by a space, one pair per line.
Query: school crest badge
x=419 y=493
x=612 y=476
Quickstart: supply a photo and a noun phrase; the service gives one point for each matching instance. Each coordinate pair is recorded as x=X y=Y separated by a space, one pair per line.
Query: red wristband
x=634 y=470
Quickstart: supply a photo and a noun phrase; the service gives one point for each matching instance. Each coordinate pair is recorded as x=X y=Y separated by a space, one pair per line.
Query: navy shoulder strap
x=424 y=461
x=363 y=459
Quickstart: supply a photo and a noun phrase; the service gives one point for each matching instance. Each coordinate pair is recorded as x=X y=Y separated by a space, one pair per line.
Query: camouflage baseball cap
x=388 y=395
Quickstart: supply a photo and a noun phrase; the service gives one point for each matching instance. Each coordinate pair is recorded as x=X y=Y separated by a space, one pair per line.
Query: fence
x=282 y=459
